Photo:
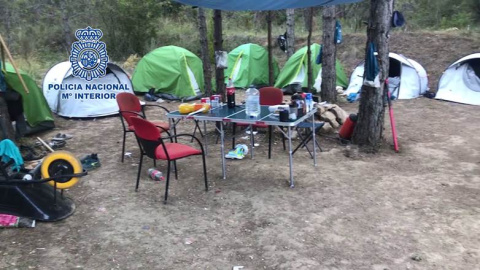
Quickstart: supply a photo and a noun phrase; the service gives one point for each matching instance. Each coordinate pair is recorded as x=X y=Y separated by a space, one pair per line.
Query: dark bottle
x=230 y=94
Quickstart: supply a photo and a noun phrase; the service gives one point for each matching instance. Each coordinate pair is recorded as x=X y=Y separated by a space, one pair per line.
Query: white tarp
x=78 y=105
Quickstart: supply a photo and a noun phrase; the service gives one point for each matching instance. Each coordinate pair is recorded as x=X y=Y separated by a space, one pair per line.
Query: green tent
x=295 y=70
x=248 y=64
x=170 y=70
x=35 y=107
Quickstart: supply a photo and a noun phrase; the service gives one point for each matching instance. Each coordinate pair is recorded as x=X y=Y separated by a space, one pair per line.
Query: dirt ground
x=417 y=209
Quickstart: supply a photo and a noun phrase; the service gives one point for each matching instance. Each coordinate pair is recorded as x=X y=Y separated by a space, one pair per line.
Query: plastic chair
x=130 y=107
x=153 y=146
x=269 y=96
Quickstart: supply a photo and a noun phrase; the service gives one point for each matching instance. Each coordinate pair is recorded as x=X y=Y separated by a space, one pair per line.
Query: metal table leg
x=222 y=137
x=251 y=141
x=290 y=156
x=205 y=136
x=314 y=133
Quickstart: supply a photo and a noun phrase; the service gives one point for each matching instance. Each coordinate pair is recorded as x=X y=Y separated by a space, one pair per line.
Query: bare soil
x=417 y=209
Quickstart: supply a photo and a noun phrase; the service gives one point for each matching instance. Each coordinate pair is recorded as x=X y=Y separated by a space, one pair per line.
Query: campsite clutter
x=46 y=175
x=173 y=73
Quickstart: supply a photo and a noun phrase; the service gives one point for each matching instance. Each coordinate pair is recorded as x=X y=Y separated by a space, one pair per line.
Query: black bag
x=282 y=42
x=397 y=19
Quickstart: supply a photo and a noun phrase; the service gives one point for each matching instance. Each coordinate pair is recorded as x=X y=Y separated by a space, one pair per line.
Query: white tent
x=461 y=81
x=88 y=99
x=407 y=78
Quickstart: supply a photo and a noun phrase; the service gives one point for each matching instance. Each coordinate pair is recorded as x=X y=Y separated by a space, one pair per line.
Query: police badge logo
x=89 y=55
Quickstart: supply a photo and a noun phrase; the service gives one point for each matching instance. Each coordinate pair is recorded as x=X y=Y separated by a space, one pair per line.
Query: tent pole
x=270 y=64
x=309 y=51
x=13 y=64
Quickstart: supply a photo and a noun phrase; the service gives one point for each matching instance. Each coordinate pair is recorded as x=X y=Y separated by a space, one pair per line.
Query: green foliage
x=41 y=31
x=128 y=26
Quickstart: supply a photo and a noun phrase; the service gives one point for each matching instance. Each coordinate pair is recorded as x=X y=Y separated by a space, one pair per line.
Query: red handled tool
x=392 y=119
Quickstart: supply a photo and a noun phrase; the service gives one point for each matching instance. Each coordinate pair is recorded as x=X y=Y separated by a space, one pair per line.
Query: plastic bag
x=221 y=58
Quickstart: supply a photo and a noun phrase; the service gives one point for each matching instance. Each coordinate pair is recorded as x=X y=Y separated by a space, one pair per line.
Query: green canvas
x=296 y=61
x=165 y=69
x=35 y=106
x=252 y=63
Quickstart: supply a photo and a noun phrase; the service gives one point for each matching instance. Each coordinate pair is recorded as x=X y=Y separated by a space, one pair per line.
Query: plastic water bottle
x=309 y=101
x=155 y=174
x=252 y=105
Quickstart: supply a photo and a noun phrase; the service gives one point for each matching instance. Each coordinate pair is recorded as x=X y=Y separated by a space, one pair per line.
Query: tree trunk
x=202 y=29
x=270 y=64
x=218 y=46
x=371 y=114
x=290 y=32
x=329 y=73
x=309 y=51
x=307 y=18
x=6 y=127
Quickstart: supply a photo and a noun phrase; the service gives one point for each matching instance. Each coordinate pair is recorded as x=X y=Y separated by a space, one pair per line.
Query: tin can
x=205 y=100
x=216 y=97
x=215 y=100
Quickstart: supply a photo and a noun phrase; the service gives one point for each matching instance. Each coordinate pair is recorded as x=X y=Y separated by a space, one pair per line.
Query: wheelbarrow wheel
x=61 y=163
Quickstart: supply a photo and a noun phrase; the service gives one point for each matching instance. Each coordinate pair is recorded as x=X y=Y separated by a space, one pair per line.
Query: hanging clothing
x=3 y=83
x=319 y=56
x=372 y=69
x=338 y=32
x=9 y=151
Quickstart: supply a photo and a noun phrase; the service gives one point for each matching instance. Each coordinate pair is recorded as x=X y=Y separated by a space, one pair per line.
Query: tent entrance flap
x=193 y=82
x=236 y=69
x=470 y=78
x=300 y=76
x=395 y=69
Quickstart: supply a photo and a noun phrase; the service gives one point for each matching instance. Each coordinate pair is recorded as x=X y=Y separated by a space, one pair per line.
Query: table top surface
x=238 y=115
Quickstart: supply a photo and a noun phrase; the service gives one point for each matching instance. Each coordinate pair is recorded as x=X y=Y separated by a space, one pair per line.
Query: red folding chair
x=153 y=146
x=130 y=107
x=269 y=96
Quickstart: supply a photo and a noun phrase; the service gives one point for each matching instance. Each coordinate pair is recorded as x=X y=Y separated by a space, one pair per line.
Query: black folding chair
x=307 y=135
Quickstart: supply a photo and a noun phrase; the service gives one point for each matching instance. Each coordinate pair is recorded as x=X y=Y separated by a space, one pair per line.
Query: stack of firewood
x=332 y=115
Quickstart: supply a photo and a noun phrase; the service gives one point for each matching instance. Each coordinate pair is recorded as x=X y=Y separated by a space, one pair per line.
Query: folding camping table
x=223 y=114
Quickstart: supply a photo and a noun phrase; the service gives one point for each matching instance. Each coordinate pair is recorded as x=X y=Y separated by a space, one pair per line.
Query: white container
x=252 y=104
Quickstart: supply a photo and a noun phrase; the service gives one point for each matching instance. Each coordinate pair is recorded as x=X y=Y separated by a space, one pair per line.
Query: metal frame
x=268 y=119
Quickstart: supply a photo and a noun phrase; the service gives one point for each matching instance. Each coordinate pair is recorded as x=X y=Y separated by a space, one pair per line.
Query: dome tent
x=461 y=81
x=295 y=70
x=61 y=74
x=35 y=107
x=407 y=78
x=248 y=64
x=172 y=71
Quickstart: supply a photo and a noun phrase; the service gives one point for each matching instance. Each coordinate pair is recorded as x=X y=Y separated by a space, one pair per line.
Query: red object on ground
x=347 y=128
x=392 y=123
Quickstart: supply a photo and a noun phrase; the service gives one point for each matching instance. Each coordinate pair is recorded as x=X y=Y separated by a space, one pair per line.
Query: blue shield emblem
x=89 y=55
